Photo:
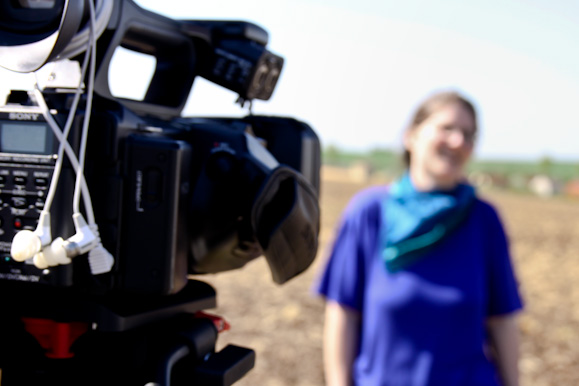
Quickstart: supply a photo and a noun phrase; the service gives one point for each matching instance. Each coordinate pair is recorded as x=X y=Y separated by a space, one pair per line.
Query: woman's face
x=440 y=147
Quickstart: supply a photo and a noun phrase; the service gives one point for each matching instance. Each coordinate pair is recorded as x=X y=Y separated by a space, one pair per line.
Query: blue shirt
x=424 y=325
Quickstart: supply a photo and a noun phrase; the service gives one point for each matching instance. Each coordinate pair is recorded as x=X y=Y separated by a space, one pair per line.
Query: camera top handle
x=145 y=32
x=232 y=54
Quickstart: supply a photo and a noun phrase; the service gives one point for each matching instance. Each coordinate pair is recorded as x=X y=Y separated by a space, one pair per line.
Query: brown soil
x=283 y=324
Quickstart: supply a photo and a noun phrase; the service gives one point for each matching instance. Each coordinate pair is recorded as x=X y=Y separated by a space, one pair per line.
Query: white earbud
x=52 y=255
x=26 y=243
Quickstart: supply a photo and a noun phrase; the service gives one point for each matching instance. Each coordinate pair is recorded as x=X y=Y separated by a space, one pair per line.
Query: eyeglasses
x=468 y=135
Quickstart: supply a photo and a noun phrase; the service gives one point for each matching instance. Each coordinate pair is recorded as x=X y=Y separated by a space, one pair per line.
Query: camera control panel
x=27 y=159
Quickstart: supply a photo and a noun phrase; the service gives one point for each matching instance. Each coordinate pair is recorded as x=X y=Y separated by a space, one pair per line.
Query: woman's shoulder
x=364 y=209
x=367 y=199
x=487 y=211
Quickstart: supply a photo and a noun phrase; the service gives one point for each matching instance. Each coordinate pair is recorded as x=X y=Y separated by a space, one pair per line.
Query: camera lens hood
x=286 y=220
x=28 y=52
x=32 y=37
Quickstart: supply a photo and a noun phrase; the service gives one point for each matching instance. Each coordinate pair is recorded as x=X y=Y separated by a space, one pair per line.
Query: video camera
x=139 y=197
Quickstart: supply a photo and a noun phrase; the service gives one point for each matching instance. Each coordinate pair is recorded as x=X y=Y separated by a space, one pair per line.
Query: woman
x=419 y=285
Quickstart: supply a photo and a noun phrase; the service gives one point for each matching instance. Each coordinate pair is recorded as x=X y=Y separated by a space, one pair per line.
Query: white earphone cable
x=38 y=244
x=86 y=121
x=68 y=149
x=56 y=130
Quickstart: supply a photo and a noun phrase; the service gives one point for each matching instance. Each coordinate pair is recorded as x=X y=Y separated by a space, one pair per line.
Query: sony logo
x=23 y=116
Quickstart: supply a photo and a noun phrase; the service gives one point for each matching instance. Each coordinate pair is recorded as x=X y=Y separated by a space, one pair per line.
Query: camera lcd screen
x=25 y=138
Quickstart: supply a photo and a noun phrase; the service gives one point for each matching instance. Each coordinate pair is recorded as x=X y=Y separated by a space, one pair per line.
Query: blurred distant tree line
x=377 y=159
x=389 y=161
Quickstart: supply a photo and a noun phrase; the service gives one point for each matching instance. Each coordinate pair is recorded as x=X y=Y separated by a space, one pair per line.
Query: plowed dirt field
x=283 y=324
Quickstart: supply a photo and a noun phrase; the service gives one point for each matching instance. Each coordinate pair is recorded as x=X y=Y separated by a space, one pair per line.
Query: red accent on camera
x=220 y=323
x=55 y=337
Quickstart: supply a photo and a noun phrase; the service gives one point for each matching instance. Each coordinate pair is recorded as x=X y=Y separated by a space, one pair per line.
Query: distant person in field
x=419 y=285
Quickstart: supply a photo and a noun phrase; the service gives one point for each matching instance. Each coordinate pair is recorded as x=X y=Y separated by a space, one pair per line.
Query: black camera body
x=171 y=196
x=165 y=193
x=154 y=174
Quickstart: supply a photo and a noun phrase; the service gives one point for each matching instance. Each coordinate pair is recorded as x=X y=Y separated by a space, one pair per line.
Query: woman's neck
x=424 y=182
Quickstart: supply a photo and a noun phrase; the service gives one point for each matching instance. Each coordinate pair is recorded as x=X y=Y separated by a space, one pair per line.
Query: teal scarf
x=416 y=221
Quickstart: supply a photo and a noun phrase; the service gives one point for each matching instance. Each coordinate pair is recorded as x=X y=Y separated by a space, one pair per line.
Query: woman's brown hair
x=433 y=104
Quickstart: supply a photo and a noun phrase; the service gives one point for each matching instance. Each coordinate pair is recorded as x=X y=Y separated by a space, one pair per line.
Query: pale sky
x=355 y=70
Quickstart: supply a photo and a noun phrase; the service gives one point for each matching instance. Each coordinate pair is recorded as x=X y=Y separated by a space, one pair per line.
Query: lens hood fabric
x=286 y=220
x=284 y=224
x=228 y=255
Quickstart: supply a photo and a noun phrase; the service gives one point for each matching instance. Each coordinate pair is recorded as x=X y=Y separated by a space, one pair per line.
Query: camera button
x=19 y=202
x=19 y=180
x=40 y=181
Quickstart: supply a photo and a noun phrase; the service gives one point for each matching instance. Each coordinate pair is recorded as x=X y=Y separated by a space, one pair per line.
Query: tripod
x=54 y=337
